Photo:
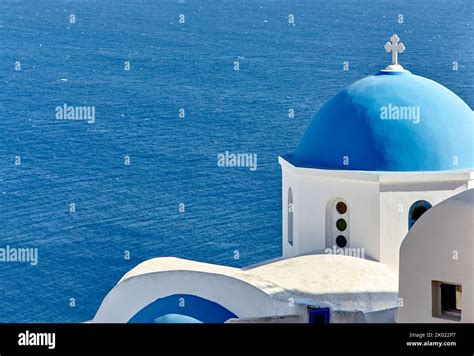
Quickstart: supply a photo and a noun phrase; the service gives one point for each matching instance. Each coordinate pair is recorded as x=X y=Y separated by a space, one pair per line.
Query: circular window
x=341 y=241
x=341 y=207
x=341 y=224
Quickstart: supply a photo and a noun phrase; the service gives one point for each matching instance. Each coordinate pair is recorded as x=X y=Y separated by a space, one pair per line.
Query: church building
x=375 y=159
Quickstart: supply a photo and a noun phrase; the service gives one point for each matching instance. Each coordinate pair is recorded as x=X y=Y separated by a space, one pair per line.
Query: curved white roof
x=342 y=282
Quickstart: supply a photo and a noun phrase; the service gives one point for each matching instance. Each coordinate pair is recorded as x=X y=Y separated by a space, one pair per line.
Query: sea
x=174 y=84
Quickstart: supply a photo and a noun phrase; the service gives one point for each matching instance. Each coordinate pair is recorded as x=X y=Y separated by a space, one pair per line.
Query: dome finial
x=395 y=47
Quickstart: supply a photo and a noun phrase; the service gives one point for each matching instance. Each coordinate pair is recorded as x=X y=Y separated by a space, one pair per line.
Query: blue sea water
x=176 y=66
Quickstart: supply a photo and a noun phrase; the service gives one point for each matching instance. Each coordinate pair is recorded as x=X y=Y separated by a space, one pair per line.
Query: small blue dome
x=391 y=121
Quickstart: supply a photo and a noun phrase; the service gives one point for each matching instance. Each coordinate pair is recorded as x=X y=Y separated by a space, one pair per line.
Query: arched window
x=290 y=217
x=416 y=211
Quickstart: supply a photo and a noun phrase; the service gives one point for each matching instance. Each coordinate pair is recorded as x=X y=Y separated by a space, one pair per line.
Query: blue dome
x=391 y=121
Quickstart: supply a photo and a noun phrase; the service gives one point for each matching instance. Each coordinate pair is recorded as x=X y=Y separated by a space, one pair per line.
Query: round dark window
x=418 y=211
x=341 y=207
x=341 y=241
x=341 y=224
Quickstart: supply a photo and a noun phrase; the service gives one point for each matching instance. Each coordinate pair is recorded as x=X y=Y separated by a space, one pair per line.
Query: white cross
x=395 y=47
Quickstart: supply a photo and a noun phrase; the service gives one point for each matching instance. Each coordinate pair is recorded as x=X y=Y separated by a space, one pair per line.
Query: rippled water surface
x=175 y=66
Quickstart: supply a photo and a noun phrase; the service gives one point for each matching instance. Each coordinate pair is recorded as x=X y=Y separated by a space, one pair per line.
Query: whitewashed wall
x=376 y=223
x=133 y=294
x=427 y=254
x=395 y=202
x=312 y=193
